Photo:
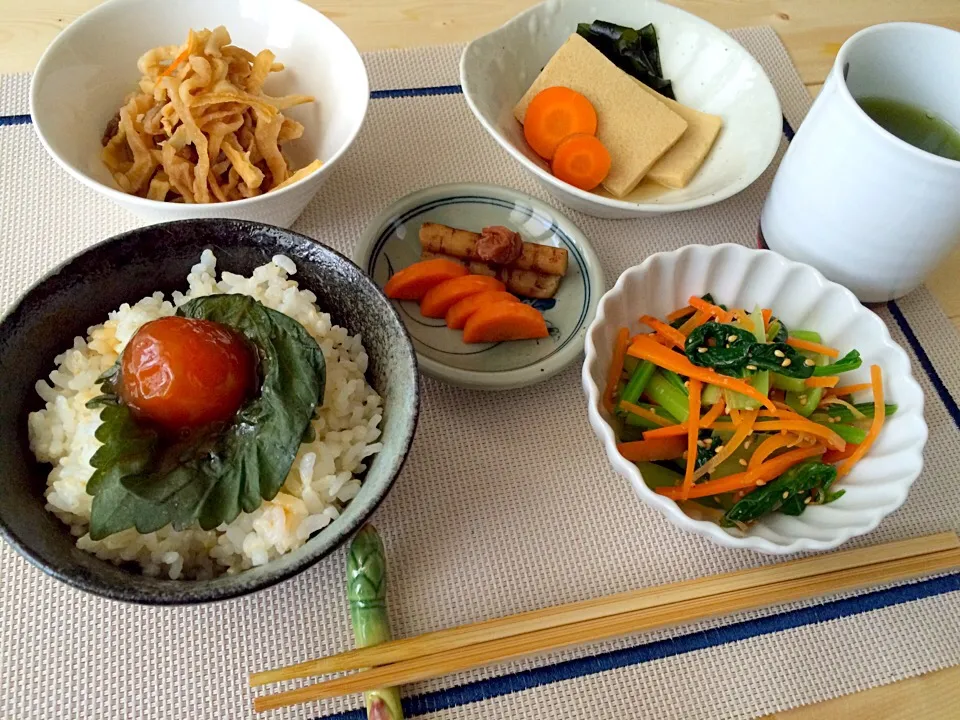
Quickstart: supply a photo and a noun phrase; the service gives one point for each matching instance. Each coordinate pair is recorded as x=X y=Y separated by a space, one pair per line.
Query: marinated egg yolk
x=182 y=373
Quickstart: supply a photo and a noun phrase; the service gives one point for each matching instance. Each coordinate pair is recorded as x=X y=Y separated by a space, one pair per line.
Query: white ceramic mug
x=865 y=208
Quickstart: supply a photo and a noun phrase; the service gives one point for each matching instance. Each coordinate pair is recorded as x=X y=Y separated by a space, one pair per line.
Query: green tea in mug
x=914 y=125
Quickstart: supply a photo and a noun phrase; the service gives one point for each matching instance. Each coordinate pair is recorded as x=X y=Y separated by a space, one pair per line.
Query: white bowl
x=84 y=75
x=391 y=241
x=742 y=277
x=709 y=71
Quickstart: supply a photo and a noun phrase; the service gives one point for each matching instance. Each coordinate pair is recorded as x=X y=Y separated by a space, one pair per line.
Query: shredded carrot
x=616 y=367
x=645 y=414
x=664 y=330
x=712 y=414
x=693 y=433
x=844 y=390
x=827 y=381
x=767 y=314
x=761 y=474
x=176 y=62
x=695 y=321
x=835 y=456
x=682 y=312
x=710 y=309
x=879 y=415
x=802 y=425
x=735 y=416
x=743 y=431
x=666 y=358
x=770 y=446
x=813 y=347
x=665 y=432
x=652 y=450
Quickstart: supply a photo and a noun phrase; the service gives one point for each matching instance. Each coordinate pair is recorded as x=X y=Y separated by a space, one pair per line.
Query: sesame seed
x=803 y=399
x=684 y=456
x=743 y=462
x=700 y=443
x=785 y=363
x=732 y=338
x=761 y=483
x=809 y=363
x=747 y=444
x=835 y=419
x=708 y=442
x=701 y=350
x=807 y=500
x=785 y=495
x=719 y=448
x=686 y=383
x=778 y=353
x=751 y=367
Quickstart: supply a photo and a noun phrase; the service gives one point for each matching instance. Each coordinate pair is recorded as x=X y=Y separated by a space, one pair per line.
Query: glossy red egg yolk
x=182 y=373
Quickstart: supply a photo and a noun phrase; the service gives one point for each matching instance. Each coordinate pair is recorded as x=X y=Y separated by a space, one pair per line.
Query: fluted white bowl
x=803 y=298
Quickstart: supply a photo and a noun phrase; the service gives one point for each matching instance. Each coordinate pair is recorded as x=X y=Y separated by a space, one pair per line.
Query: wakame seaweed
x=636 y=52
x=144 y=480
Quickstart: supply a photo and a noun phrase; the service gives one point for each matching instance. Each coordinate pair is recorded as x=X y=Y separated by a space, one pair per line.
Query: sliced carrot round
x=413 y=282
x=442 y=297
x=554 y=114
x=582 y=161
x=457 y=315
x=504 y=321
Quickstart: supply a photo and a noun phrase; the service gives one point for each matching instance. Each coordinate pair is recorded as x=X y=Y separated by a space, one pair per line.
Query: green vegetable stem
x=367 y=593
x=664 y=393
x=638 y=382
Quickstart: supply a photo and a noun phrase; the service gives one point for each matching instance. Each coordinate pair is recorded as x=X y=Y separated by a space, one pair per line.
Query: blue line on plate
x=788 y=132
x=638 y=654
x=925 y=362
x=416 y=92
x=15 y=120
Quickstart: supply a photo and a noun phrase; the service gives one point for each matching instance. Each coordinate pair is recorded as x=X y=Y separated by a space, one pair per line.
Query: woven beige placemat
x=506 y=503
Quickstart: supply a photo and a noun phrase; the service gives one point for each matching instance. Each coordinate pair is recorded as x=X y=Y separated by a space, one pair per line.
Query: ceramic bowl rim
x=503 y=379
x=668 y=508
x=203 y=595
x=141 y=203
x=589 y=198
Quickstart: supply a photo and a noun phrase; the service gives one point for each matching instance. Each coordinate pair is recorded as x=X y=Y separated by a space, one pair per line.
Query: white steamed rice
x=323 y=477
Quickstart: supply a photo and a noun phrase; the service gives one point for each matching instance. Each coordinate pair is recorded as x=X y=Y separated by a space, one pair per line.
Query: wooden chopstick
x=905 y=563
x=453 y=638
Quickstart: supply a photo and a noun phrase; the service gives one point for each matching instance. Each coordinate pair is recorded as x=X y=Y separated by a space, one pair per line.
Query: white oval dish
x=83 y=77
x=709 y=70
x=391 y=242
x=743 y=277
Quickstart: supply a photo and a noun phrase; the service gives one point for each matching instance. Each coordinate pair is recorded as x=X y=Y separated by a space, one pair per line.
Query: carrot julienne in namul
x=730 y=409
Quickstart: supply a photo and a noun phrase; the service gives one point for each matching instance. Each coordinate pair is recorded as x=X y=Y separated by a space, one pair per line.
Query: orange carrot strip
x=712 y=414
x=670 y=333
x=743 y=431
x=682 y=312
x=695 y=321
x=767 y=314
x=813 y=347
x=709 y=308
x=834 y=456
x=652 y=450
x=879 y=415
x=826 y=381
x=761 y=474
x=803 y=425
x=645 y=414
x=665 y=432
x=666 y=358
x=735 y=416
x=554 y=114
x=620 y=345
x=581 y=160
x=844 y=390
x=503 y=321
x=768 y=447
x=176 y=62
x=693 y=433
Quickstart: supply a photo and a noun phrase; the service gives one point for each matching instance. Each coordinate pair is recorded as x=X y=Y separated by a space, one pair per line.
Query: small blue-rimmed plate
x=391 y=242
